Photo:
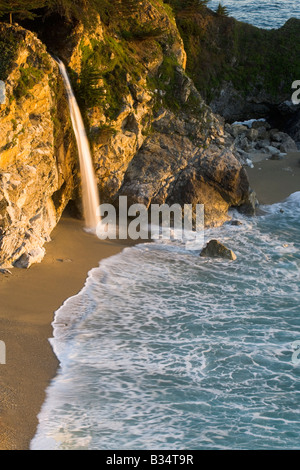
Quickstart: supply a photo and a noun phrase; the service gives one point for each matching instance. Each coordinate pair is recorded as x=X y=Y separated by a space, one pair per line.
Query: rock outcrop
x=163 y=144
x=216 y=249
x=256 y=140
x=135 y=75
x=153 y=137
x=243 y=72
x=178 y=164
x=37 y=160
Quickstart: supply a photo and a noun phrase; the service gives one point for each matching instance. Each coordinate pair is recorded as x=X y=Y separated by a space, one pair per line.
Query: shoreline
x=29 y=300
x=275 y=180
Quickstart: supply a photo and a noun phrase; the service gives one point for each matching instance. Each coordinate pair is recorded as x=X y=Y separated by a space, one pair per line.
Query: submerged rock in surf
x=215 y=249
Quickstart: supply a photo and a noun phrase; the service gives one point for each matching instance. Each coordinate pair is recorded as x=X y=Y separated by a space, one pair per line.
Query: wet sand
x=28 y=302
x=274 y=180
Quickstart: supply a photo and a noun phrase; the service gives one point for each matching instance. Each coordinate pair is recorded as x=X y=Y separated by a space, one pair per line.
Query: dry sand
x=30 y=298
x=28 y=302
x=274 y=180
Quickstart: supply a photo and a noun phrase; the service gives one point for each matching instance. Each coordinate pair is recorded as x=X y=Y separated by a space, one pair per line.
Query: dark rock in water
x=236 y=223
x=171 y=169
x=250 y=206
x=215 y=249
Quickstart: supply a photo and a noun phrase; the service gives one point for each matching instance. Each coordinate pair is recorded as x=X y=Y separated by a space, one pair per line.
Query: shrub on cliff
x=69 y=9
x=87 y=88
x=22 y=8
x=222 y=10
x=192 y=5
x=8 y=50
x=223 y=50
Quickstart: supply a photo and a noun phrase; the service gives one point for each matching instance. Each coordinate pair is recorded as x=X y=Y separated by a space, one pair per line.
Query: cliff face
x=37 y=156
x=242 y=71
x=153 y=137
x=158 y=137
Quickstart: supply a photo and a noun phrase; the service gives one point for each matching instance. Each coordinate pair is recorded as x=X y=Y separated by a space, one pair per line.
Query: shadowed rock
x=27 y=259
x=215 y=249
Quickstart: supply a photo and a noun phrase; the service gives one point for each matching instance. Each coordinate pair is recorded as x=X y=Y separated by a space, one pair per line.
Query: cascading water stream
x=90 y=195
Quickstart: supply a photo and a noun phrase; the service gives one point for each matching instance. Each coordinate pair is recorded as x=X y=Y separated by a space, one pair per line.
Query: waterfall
x=90 y=195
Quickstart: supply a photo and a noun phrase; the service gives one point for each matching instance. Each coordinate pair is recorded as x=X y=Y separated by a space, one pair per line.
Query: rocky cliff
x=155 y=140
x=153 y=137
x=37 y=155
x=243 y=72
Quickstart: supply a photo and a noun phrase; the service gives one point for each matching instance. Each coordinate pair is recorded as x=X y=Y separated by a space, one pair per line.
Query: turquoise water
x=262 y=13
x=166 y=350
x=163 y=349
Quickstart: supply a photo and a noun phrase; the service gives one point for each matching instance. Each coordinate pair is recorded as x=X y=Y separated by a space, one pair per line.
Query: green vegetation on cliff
x=8 y=50
x=69 y=9
x=105 y=65
x=30 y=77
x=222 y=10
x=132 y=40
x=188 y=5
x=222 y=49
x=21 y=8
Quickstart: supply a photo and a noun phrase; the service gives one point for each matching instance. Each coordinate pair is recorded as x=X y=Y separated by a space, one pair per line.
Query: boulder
x=27 y=259
x=263 y=134
x=261 y=125
x=238 y=129
x=288 y=146
x=215 y=249
x=252 y=134
x=273 y=150
x=236 y=223
x=277 y=136
x=272 y=142
x=170 y=169
x=5 y=271
x=250 y=206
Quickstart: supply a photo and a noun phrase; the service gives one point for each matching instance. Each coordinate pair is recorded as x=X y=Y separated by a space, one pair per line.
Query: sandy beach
x=28 y=302
x=274 y=180
x=30 y=298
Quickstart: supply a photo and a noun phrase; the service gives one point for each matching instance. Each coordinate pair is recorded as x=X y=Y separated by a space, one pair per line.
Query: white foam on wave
x=160 y=345
x=248 y=123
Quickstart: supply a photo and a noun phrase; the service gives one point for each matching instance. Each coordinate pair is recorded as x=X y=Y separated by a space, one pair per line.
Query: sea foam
x=164 y=349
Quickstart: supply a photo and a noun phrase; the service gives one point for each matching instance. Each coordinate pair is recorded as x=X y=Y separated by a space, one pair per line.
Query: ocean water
x=166 y=350
x=262 y=13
